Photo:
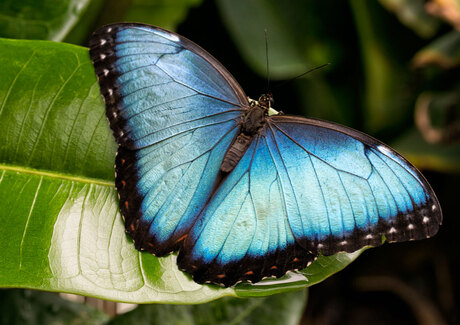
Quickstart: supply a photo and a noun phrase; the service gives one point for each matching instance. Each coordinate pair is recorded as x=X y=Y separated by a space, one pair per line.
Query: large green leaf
x=61 y=229
x=41 y=19
x=285 y=309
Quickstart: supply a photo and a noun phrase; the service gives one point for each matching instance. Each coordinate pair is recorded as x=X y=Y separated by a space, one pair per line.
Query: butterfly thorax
x=252 y=122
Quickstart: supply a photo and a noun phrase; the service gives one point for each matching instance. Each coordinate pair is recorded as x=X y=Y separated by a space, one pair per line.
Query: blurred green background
x=393 y=73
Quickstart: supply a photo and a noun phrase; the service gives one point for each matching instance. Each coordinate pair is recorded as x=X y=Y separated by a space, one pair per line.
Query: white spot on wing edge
x=103 y=41
x=410 y=226
x=392 y=230
x=105 y=72
x=426 y=219
x=167 y=35
x=385 y=150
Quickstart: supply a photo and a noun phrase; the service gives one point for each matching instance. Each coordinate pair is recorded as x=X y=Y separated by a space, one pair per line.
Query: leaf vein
x=21 y=245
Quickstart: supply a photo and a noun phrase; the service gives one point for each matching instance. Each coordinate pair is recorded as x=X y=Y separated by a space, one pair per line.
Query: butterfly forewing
x=174 y=111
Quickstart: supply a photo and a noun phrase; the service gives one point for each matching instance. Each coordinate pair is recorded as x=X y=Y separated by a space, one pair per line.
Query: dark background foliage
x=390 y=75
x=395 y=284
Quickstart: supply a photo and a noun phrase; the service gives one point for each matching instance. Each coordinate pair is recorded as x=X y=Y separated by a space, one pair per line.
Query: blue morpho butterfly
x=239 y=190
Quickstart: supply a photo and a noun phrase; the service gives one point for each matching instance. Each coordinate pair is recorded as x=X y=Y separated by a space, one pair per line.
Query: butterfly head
x=266 y=101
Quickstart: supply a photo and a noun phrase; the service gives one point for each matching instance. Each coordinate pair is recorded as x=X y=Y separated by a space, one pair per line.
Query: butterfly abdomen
x=235 y=152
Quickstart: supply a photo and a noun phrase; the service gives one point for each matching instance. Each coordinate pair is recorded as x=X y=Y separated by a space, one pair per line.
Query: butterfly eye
x=266 y=100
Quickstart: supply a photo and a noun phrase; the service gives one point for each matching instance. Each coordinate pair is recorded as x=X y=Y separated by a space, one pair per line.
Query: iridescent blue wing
x=244 y=234
x=174 y=111
x=304 y=187
x=355 y=188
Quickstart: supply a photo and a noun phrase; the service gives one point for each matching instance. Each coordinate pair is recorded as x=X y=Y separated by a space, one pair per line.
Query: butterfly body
x=252 y=122
x=240 y=191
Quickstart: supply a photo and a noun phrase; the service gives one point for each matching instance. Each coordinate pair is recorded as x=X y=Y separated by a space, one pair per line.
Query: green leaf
x=61 y=228
x=443 y=52
x=319 y=270
x=283 y=309
x=85 y=26
x=40 y=19
x=35 y=307
x=385 y=100
x=438 y=157
x=164 y=13
x=412 y=13
x=324 y=100
x=291 y=49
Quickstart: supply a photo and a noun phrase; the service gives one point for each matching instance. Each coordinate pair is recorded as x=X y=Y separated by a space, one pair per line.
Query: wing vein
x=149 y=86
x=190 y=161
x=396 y=175
x=248 y=194
x=349 y=201
x=198 y=127
x=312 y=154
x=194 y=120
x=280 y=180
x=198 y=92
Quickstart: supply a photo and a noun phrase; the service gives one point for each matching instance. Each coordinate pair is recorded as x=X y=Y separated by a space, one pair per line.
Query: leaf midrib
x=56 y=175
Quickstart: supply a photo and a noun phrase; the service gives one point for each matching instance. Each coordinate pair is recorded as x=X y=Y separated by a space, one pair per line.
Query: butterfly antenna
x=266 y=56
x=303 y=74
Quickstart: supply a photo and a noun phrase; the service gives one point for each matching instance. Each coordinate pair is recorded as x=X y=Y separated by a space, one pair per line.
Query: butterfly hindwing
x=243 y=233
x=174 y=111
x=306 y=187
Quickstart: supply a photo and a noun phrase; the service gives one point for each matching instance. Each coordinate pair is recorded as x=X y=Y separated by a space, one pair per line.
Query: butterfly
x=240 y=191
